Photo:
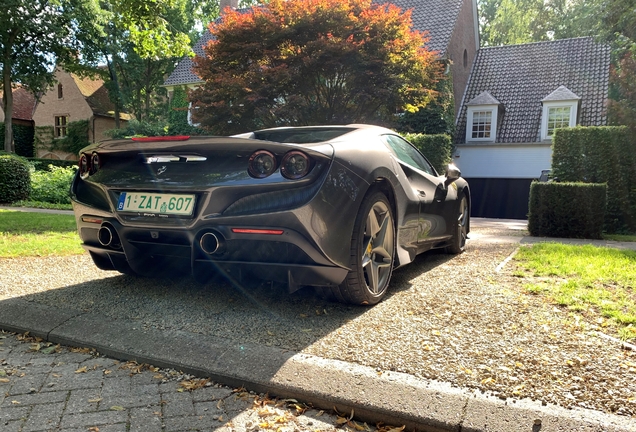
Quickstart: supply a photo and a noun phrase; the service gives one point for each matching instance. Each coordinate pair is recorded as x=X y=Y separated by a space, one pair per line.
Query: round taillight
x=261 y=164
x=83 y=166
x=295 y=165
x=95 y=163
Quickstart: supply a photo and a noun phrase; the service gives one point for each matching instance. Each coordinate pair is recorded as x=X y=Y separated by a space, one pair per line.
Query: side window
x=408 y=154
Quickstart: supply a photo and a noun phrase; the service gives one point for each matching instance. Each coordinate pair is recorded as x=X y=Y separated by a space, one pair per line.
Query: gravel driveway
x=461 y=319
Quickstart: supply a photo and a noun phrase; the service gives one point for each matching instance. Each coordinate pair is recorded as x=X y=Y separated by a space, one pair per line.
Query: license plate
x=156 y=203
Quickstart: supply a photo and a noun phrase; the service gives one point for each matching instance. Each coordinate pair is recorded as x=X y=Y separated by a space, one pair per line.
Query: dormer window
x=481 y=124
x=482 y=118
x=560 y=110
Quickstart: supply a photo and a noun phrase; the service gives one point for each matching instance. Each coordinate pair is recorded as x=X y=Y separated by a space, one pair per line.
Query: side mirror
x=452 y=174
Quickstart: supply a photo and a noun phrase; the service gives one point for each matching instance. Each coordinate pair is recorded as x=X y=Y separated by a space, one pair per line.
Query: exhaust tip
x=210 y=243
x=108 y=237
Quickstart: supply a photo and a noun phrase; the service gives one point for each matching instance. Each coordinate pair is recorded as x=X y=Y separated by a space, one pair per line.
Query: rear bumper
x=287 y=257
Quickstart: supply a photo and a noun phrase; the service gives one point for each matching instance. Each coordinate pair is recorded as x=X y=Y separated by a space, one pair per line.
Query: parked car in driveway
x=334 y=207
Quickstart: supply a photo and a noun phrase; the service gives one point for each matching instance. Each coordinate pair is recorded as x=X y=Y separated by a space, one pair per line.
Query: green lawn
x=25 y=234
x=597 y=282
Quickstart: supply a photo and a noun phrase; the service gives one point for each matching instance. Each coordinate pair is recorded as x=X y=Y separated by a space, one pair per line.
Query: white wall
x=503 y=161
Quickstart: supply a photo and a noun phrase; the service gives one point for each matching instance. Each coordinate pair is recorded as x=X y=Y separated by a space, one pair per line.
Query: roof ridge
x=536 y=43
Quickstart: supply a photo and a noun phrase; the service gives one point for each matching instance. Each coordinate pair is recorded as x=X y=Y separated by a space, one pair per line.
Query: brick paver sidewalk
x=51 y=388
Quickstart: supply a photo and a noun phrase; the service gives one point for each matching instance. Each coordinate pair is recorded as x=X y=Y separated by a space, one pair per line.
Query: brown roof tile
x=23 y=103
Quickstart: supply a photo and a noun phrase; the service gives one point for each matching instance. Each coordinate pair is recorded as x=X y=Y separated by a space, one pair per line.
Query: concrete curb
x=393 y=398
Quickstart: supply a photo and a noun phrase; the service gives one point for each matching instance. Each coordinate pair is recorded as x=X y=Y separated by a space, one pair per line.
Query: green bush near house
x=570 y=210
x=15 y=180
x=51 y=186
x=46 y=164
x=437 y=148
x=601 y=155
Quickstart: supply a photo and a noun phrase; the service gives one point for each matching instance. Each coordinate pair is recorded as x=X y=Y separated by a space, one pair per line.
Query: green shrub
x=15 y=181
x=436 y=148
x=23 y=139
x=138 y=128
x=52 y=186
x=570 y=210
x=46 y=164
x=601 y=155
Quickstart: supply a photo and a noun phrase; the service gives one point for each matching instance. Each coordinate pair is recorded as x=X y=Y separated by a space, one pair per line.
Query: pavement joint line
x=507 y=260
x=79 y=313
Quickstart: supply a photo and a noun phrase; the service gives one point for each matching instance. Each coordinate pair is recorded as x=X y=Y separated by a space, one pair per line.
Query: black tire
x=372 y=254
x=460 y=230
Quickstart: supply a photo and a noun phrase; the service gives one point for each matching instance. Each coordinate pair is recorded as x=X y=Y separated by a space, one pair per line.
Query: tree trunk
x=113 y=79
x=7 y=101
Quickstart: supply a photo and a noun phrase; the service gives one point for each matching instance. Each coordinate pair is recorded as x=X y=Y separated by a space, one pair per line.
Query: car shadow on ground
x=251 y=314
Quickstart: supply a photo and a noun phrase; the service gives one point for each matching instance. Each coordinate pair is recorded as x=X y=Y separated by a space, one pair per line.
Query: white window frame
x=574 y=107
x=190 y=108
x=494 y=109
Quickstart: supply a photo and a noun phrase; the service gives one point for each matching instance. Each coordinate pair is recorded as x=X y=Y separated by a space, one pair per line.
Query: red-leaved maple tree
x=309 y=62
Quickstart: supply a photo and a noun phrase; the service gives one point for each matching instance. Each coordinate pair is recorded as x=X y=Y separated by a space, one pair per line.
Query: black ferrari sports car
x=334 y=207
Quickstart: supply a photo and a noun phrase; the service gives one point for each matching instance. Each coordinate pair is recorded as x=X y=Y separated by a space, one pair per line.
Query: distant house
x=451 y=25
x=23 y=107
x=70 y=99
x=516 y=97
x=24 y=103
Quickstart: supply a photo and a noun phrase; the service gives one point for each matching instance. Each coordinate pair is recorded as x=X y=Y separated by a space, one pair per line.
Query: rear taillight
x=84 y=166
x=96 y=163
x=295 y=165
x=261 y=164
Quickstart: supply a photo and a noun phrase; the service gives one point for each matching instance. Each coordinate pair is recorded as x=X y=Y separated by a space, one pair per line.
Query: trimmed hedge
x=601 y=155
x=437 y=148
x=570 y=210
x=15 y=178
x=23 y=139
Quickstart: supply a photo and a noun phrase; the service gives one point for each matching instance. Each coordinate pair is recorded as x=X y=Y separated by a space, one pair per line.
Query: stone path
x=52 y=388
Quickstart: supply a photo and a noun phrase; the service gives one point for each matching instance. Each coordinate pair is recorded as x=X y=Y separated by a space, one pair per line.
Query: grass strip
x=25 y=234
x=597 y=282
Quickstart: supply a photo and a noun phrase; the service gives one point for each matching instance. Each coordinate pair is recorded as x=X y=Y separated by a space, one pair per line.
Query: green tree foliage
x=139 y=42
x=506 y=22
x=304 y=62
x=438 y=117
x=33 y=35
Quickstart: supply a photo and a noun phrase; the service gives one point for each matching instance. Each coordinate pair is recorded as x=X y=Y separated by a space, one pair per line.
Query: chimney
x=228 y=3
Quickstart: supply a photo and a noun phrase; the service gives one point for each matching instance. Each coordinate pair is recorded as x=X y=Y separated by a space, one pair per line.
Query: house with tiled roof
x=70 y=99
x=516 y=97
x=451 y=26
x=24 y=103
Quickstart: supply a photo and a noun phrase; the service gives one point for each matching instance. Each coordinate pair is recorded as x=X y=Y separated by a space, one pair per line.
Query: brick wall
x=463 y=39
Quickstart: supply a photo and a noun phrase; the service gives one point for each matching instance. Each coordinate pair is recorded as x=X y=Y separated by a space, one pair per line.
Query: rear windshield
x=302 y=135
